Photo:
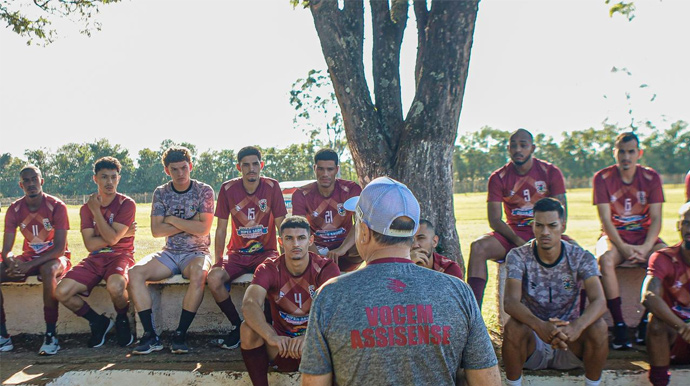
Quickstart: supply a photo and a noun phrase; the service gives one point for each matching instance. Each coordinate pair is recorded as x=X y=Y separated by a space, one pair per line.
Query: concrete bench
x=24 y=307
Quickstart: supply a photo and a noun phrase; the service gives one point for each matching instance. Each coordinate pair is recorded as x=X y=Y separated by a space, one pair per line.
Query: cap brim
x=351 y=204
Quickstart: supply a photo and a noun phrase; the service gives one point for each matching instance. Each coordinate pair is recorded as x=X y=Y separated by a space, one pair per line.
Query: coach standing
x=385 y=323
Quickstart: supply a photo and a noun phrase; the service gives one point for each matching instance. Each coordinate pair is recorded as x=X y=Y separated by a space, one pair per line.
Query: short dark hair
x=626 y=137
x=176 y=154
x=402 y=223
x=295 y=222
x=550 y=204
x=326 y=155
x=248 y=150
x=109 y=163
x=30 y=167
x=522 y=131
x=428 y=224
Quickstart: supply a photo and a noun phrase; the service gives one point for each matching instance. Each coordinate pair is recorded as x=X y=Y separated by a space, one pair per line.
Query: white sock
x=589 y=382
x=517 y=382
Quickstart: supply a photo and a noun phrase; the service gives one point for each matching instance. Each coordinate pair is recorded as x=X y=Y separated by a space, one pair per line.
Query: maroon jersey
x=121 y=210
x=447 y=266
x=253 y=215
x=38 y=228
x=329 y=221
x=290 y=297
x=520 y=193
x=629 y=202
x=668 y=266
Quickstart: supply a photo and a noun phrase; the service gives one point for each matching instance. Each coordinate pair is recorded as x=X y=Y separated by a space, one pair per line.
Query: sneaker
x=6 y=343
x=232 y=340
x=179 y=344
x=620 y=337
x=50 y=345
x=123 y=332
x=98 y=331
x=641 y=334
x=148 y=344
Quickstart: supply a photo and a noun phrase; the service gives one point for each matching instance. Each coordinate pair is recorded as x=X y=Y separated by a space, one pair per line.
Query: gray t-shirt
x=198 y=198
x=552 y=290
x=394 y=322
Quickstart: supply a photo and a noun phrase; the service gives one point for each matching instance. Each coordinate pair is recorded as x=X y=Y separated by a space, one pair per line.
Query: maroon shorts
x=65 y=265
x=237 y=264
x=285 y=364
x=524 y=233
x=680 y=352
x=634 y=238
x=95 y=268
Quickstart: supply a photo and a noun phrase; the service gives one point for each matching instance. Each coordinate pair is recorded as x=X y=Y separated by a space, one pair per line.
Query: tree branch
x=422 y=15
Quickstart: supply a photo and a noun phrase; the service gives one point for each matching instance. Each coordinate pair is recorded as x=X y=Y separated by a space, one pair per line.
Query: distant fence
x=139 y=198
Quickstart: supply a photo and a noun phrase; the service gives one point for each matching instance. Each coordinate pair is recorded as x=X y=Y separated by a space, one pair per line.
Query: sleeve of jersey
x=454 y=270
x=557 y=181
x=588 y=266
x=157 y=206
x=495 y=189
x=330 y=270
x=208 y=200
x=10 y=222
x=659 y=266
x=316 y=354
x=222 y=207
x=263 y=276
x=515 y=265
x=299 y=203
x=656 y=194
x=127 y=213
x=60 y=217
x=600 y=195
x=478 y=352
x=86 y=217
x=356 y=190
x=278 y=205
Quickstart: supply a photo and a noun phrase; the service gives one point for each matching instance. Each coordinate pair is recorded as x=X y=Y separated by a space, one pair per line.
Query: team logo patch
x=540 y=186
x=567 y=282
x=312 y=291
x=263 y=205
x=341 y=210
x=396 y=285
x=642 y=198
x=110 y=219
x=46 y=225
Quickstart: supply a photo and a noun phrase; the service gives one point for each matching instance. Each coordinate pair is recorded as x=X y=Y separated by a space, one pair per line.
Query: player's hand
x=295 y=348
x=419 y=257
x=640 y=254
x=335 y=254
x=94 y=202
x=19 y=269
x=684 y=331
x=571 y=331
x=131 y=230
x=549 y=333
x=282 y=343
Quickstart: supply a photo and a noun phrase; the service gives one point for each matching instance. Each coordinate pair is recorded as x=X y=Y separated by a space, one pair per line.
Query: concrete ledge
x=24 y=307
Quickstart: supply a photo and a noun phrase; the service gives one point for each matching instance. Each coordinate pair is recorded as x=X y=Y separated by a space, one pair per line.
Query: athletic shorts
x=547 y=357
x=237 y=264
x=95 y=268
x=285 y=364
x=524 y=233
x=176 y=262
x=65 y=264
x=680 y=352
x=632 y=238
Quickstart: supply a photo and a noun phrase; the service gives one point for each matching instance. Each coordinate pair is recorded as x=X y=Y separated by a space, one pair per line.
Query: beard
x=686 y=245
x=520 y=163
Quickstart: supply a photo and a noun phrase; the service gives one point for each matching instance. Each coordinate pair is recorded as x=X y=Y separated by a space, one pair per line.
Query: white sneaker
x=50 y=345
x=6 y=344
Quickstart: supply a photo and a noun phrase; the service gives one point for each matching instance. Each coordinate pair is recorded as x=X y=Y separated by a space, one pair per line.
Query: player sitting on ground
x=666 y=294
x=182 y=212
x=423 y=251
x=321 y=202
x=628 y=197
x=288 y=283
x=257 y=208
x=107 y=228
x=42 y=220
x=542 y=297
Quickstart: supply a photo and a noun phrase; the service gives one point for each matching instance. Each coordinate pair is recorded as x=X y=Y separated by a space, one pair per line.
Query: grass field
x=470 y=212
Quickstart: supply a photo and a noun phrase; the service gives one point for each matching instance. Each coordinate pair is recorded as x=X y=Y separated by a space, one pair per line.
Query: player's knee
x=248 y=335
x=49 y=270
x=477 y=251
x=137 y=276
x=656 y=328
x=115 y=285
x=514 y=331
x=606 y=263
x=63 y=292
x=215 y=277
x=597 y=333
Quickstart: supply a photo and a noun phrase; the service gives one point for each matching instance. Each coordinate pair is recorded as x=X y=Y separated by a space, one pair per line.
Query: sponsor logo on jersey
x=341 y=210
x=332 y=234
x=41 y=247
x=567 y=282
x=110 y=219
x=522 y=212
x=263 y=205
x=642 y=198
x=252 y=232
x=47 y=225
x=104 y=250
x=682 y=312
x=295 y=320
x=312 y=291
x=540 y=186
x=252 y=247
x=396 y=285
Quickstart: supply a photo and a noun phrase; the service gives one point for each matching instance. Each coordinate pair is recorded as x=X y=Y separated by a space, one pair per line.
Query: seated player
x=542 y=297
x=288 y=283
x=257 y=208
x=518 y=185
x=666 y=294
x=321 y=202
x=182 y=212
x=42 y=220
x=628 y=197
x=107 y=228
x=423 y=251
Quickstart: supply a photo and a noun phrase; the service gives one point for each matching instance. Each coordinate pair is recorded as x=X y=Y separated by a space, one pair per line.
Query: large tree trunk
x=416 y=150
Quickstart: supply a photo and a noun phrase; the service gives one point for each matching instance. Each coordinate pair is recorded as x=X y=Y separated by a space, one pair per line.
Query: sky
x=217 y=74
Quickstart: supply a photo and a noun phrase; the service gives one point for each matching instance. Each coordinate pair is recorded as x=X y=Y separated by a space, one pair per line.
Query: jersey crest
x=341 y=210
x=540 y=186
x=263 y=205
x=46 y=225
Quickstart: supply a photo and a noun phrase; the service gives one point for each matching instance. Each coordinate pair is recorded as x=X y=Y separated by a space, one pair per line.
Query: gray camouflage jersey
x=552 y=290
x=198 y=198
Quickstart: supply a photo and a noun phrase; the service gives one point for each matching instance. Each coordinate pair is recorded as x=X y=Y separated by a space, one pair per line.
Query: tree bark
x=418 y=149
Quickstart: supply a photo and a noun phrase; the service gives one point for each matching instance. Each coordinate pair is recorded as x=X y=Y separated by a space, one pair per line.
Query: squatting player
x=107 y=228
x=182 y=212
x=321 y=202
x=518 y=185
x=257 y=208
x=423 y=252
x=628 y=197
x=42 y=220
x=666 y=294
x=288 y=283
